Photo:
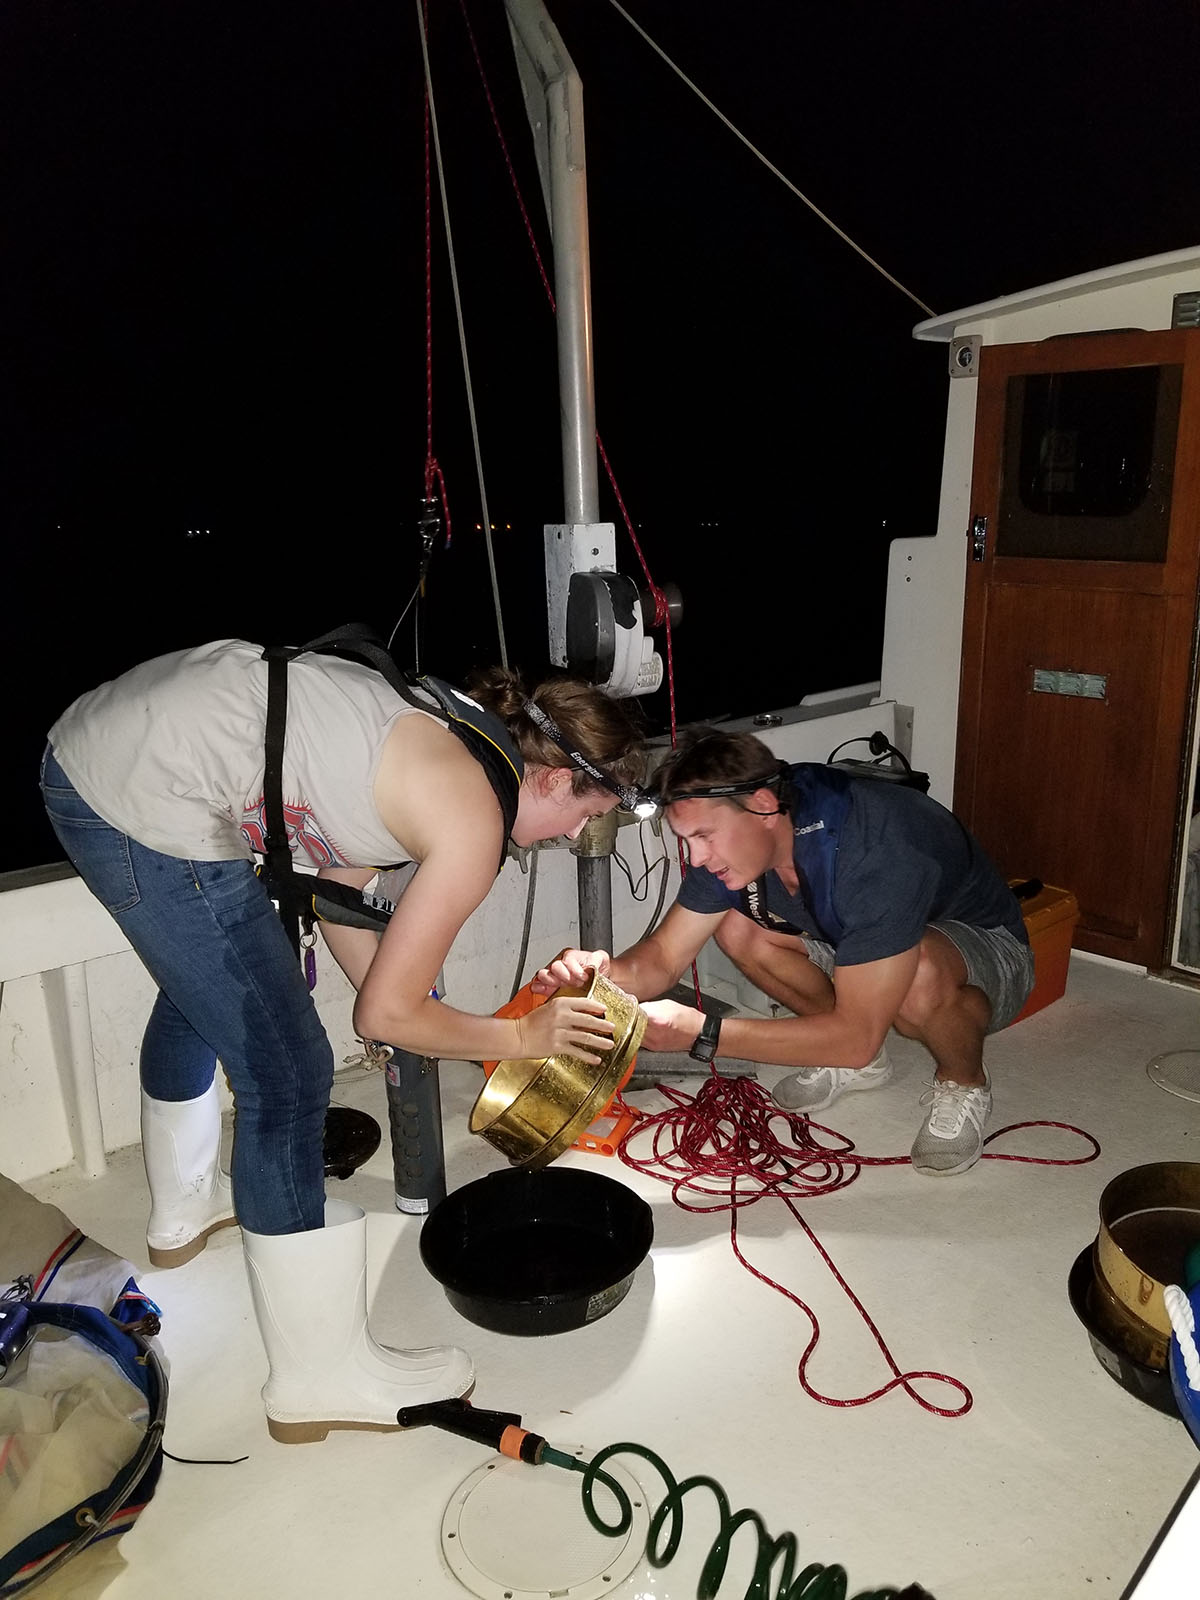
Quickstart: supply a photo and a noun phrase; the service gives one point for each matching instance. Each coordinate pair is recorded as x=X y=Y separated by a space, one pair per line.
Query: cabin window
x=1088 y=460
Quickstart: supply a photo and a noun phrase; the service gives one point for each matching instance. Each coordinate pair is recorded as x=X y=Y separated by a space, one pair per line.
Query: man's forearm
x=642 y=971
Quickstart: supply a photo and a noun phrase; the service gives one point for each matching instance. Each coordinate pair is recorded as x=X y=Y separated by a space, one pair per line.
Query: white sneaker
x=813 y=1088
x=951 y=1139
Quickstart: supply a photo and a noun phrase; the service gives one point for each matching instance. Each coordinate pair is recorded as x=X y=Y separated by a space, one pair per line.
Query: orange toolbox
x=1050 y=917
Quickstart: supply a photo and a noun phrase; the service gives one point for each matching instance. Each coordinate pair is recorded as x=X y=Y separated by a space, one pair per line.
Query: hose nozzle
x=501 y=1430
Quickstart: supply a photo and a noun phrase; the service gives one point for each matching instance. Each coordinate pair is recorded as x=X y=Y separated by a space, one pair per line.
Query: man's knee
x=940 y=981
x=748 y=945
x=778 y=964
x=736 y=937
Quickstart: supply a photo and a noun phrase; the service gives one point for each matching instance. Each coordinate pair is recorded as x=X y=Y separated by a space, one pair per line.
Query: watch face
x=705 y=1046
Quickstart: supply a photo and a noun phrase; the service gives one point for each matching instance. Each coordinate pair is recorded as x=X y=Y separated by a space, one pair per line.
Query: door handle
x=977 y=533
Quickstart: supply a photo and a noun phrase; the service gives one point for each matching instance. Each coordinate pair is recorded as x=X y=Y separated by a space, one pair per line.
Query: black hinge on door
x=977 y=533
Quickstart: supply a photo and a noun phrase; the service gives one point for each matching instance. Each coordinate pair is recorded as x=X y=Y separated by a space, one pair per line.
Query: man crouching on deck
x=857 y=904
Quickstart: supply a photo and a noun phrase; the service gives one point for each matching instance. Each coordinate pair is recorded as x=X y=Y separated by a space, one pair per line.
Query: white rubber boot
x=310 y=1298
x=189 y=1194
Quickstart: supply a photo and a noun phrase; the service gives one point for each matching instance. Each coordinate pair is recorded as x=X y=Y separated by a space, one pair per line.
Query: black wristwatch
x=705 y=1046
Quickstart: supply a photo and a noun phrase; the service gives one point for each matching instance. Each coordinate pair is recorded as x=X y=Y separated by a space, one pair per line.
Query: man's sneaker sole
x=855 y=1081
x=946 y=1172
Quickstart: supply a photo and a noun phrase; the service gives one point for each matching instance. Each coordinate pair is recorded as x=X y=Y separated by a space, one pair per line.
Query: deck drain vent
x=1178 y=1072
x=512 y=1530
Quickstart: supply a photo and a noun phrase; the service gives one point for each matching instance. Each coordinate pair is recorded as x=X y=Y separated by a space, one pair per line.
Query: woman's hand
x=569 y=1023
x=572 y=967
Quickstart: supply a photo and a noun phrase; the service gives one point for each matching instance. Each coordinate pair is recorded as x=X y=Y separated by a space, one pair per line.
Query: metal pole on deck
x=550 y=83
x=593 y=864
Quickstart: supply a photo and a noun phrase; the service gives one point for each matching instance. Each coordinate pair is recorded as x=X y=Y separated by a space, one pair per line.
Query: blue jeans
x=230 y=987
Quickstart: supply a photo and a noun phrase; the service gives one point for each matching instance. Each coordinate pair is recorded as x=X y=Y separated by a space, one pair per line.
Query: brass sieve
x=532 y=1111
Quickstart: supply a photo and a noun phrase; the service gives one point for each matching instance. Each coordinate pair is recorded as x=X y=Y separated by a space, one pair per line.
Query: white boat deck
x=1054 y=1484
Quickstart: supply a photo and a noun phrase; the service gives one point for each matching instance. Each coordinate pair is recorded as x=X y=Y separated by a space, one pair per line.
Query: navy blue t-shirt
x=903 y=861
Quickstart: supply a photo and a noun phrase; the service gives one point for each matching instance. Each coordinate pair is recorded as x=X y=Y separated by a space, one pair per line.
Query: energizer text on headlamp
x=632 y=799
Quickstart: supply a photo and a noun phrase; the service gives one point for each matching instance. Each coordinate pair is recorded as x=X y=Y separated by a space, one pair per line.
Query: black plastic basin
x=537 y=1252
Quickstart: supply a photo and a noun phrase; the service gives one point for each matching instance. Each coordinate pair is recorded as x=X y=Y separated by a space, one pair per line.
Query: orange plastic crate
x=1050 y=917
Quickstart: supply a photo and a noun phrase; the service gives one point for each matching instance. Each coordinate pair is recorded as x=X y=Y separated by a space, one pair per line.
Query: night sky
x=213 y=277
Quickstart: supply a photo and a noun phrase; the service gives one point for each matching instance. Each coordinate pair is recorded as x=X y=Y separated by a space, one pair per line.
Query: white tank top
x=171 y=753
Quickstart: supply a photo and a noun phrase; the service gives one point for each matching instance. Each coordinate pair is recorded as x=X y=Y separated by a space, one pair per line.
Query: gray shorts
x=996 y=961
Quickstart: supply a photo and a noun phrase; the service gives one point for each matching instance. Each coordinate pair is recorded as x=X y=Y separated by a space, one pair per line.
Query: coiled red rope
x=730 y=1146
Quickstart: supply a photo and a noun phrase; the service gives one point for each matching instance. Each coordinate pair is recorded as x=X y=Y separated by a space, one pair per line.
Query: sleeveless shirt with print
x=171 y=753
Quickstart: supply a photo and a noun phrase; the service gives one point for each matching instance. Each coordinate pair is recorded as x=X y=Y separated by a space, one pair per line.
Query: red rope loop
x=730 y=1146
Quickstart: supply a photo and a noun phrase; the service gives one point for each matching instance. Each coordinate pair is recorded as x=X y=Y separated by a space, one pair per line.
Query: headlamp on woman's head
x=632 y=798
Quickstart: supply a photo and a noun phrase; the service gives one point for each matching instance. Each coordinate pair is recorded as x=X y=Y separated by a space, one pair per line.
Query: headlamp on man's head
x=725 y=791
x=636 y=800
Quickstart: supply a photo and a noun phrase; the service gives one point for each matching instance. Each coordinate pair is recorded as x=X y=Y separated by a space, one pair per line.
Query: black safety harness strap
x=301 y=898
x=307 y=899
x=284 y=884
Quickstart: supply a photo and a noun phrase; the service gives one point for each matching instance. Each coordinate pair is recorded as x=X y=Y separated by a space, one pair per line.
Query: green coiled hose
x=813 y=1582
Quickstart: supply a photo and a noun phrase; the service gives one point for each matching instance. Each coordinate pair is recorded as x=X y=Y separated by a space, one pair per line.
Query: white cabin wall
x=922 y=629
x=922 y=643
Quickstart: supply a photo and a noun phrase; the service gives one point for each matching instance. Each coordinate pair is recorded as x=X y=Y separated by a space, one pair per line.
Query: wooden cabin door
x=1079 y=622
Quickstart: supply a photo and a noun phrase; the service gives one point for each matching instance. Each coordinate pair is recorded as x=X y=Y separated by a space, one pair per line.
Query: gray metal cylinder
x=595 y=903
x=415 y=1121
x=598 y=837
x=593 y=852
